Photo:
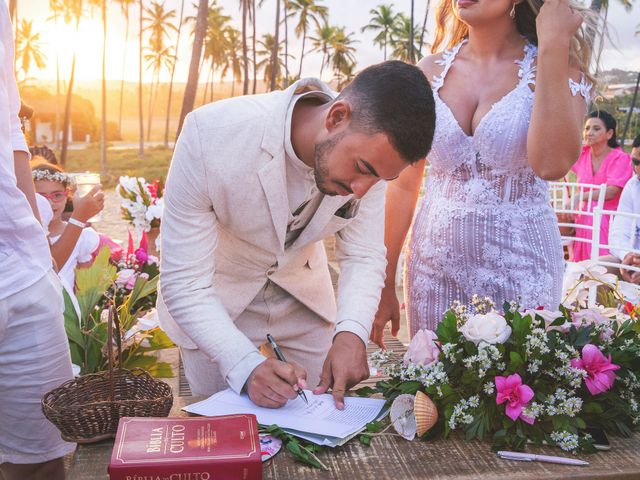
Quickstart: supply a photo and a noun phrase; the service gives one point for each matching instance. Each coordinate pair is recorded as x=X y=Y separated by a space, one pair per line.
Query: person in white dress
x=55 y=185
x=510 y=99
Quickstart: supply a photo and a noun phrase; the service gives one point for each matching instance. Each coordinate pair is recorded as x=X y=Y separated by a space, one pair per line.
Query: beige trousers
x=303 y=336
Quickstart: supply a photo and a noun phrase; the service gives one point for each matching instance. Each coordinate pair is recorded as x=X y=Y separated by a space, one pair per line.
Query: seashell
x=426 y=413
x=402 y=417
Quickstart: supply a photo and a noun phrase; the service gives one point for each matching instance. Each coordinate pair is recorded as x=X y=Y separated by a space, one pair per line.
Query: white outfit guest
x=620 y=234
x=34 y=353
x=486 y=225
x=87 y=243
x=242 y=251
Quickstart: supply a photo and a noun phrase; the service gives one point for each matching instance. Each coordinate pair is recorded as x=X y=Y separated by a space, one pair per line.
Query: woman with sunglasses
x=72 y=242
x=601 y=161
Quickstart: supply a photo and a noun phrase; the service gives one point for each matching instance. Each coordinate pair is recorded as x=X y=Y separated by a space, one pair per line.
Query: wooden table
x=395 y=458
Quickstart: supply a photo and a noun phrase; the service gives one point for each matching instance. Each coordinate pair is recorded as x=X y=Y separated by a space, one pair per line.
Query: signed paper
x=319 y=418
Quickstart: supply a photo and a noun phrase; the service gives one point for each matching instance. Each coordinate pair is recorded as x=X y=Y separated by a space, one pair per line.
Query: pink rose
x=423 y=349
x=600 y=376
x=126 y=278
x=511 y=390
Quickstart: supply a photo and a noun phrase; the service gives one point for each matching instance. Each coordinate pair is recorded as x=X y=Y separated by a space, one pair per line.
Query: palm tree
x=382 y=21
x=140 y=112
x=28 y=47
x=342 y=51
x=192 y=81
x=601 y=7
x=233 y=59
x=125 y=6
x=103 y=130
x=159 y=56
x=215 y=43
x=286 y=6
x=244 y=6
x=276 y=47
x=57 y=10
x=253 y=40
x=72 y=12
x=270 y=68
x=322 y=43
x=349 y=72
x=307 y=11
x=159 y=24
x=424 y=28
x=173 y=71
x=402 y=32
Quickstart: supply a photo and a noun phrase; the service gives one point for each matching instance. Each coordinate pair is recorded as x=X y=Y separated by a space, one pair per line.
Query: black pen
x=280 y=356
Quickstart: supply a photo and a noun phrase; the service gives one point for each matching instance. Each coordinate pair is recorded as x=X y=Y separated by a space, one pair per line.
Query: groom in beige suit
x=256 y=183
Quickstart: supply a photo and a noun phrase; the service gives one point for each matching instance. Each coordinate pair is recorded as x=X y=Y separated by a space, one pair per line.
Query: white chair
x=633 y=226
x=576 y=199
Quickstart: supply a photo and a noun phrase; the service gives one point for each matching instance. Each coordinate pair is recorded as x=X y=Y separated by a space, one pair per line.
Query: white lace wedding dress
x=486 y=225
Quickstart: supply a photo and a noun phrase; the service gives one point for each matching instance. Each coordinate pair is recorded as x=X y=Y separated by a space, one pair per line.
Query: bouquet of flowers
x=87 y=331
x=141 y=203
x=525 y=375
x=137 y=263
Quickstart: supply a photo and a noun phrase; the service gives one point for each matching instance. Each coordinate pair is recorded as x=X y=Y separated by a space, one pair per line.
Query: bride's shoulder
x=430 y=65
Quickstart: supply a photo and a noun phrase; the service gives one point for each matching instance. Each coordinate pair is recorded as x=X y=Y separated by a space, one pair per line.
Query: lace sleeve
x=584 y=88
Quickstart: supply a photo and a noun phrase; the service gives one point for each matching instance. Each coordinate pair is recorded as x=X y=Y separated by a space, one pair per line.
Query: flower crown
x=60 y=177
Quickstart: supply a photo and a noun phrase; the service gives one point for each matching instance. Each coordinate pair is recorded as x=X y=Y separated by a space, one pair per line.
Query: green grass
x=155 y=163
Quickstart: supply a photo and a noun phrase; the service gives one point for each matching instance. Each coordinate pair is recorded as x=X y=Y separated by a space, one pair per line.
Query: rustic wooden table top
x=395 y=458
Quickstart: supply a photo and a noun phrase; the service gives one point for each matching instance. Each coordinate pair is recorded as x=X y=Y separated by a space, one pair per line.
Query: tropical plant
x=424 y=28
x=253 y=41
x=215 y=43
x=342 y=52
x=56 y=9
x=403 y=48
x=173 y=71
x=140 y=112
x=383 y=20
x=276 y=47
x=159 y=24
x=125 y=7
x=233 y=58
x=72 y=12
x=199 y=33
x=322 y=43
x=245 y=7
x=307 y=11
x=87 y=329
x=266 y=54
x=28 y=48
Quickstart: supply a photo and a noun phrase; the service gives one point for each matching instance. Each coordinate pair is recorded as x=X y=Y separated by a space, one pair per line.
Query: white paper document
x=320 y=419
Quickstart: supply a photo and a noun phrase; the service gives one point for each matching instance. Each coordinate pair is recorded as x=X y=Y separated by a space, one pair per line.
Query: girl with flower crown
x=72 y=242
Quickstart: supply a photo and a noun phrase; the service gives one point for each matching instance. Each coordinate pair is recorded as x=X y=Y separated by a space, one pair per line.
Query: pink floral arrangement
x=518 y=375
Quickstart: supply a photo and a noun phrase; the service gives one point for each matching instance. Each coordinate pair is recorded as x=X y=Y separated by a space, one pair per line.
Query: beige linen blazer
x=224 y=226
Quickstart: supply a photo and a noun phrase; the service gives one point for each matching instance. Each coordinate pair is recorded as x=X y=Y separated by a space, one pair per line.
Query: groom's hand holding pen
x=274 y=382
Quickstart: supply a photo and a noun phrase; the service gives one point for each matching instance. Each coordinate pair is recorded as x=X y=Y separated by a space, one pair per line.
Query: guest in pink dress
x=601 y=161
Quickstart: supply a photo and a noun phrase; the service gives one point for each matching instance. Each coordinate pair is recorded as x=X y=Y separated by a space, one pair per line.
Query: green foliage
x=302 y=451
x=88 y=334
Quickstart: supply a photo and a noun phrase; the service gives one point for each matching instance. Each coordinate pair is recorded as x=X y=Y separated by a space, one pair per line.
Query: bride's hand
x=557 y=21
x=388 y=309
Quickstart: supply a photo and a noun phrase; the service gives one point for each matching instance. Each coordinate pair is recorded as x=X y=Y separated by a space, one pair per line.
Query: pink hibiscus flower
x=511 y=390
x=600 y=370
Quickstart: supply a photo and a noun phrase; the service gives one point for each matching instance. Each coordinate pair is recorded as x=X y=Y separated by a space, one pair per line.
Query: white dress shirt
x=622 y=232
x=24 y=252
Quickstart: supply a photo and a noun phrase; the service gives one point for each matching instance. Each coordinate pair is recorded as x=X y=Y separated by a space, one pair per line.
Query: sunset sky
x=353 y=14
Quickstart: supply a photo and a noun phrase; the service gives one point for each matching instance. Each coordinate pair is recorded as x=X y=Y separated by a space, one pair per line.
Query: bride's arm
x=400 y=202
x=553 y=141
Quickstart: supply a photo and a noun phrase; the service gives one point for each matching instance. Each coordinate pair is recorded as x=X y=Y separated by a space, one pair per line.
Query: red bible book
x=198 y=448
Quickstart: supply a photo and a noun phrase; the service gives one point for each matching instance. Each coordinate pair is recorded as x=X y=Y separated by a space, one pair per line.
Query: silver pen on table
x=280 y=356
x=531 y=457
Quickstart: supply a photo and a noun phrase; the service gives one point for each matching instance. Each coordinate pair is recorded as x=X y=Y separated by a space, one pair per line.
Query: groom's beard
x=321 y=173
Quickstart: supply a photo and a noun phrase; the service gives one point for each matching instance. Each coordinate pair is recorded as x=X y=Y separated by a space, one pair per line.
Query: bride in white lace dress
x=509 y=109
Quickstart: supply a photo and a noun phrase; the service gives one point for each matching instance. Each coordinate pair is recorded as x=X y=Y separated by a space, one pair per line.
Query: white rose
x=490 y=328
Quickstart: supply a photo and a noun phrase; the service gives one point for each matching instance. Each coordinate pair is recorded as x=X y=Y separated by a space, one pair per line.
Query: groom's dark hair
x=394 y=98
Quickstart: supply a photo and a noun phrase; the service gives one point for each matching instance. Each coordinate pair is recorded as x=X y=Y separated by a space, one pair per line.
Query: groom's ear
x=339 y=116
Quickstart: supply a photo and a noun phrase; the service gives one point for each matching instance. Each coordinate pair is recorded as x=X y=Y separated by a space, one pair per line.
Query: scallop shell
x=402 y=418
x=426 y=413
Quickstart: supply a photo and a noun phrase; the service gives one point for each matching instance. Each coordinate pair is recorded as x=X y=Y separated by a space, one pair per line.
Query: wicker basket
x=87 y=409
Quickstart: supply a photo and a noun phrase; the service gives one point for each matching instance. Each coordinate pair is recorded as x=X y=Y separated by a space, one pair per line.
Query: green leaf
x=72 y=322
x=516 y=360
x=365 y=392
x=447 y=330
